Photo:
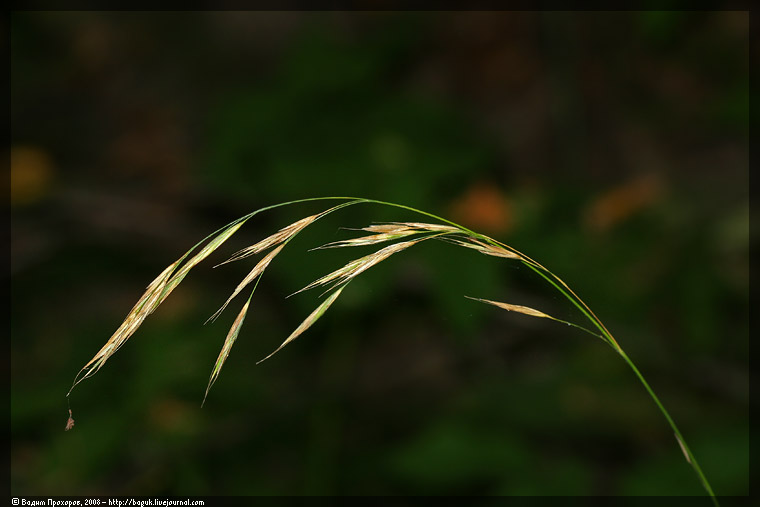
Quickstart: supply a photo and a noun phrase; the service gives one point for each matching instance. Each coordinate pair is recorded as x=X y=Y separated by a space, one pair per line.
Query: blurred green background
x=611 y=147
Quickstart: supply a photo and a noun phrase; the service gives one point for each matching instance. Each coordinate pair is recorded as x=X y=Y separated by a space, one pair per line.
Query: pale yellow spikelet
x=427 y=227
x=309 y=321
x=278 y=237
x=389 y=232
x=496 y=250
x=370 y=240
x=257 y=270
x=226 y=347
x=338 y=274
x=358 y=266
x=514 y=308
x=384 y=228
x=394 y=227
x=484 y=248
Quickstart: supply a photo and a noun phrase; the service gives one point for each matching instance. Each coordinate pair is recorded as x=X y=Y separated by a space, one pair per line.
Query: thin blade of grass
x=227 y=346
x=308 y=322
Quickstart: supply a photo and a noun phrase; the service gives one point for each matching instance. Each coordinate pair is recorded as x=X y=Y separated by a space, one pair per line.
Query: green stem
x=607 y=337
x=685 y=448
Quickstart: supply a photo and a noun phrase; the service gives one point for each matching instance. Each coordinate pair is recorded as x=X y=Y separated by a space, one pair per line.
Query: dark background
x=611 y=147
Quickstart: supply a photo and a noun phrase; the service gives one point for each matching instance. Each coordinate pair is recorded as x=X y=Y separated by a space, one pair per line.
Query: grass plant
x=399 y=236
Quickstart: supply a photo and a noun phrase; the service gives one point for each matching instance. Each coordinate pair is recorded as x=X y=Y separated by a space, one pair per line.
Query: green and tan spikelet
x=358 y=266
x=526 y=310
x=486 y=249
x=227 y=346
x=281 y=236
x=255 y=273
x=308 y=321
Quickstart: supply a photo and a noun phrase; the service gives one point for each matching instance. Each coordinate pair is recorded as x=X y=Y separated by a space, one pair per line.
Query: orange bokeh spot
x=483 y=207
x=31 y=175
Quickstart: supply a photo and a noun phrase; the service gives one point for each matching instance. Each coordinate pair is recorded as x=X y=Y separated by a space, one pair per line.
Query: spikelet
x=257 y=270
x=308 y=322
x=484 y=248
x=389 y=232
x=515 y=308
x=280 y=236
x=226 y=347
x=358 y=266
x=369 y=240
x=426 y=227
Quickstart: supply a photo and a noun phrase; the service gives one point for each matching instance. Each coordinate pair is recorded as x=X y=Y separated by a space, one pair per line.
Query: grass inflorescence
x=399 y=236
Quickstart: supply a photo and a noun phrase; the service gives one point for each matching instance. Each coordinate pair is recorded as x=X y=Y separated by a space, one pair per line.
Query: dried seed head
x=257 y=271
x=308 y=322
x=369 y=240
x=280 y=236
x=484 y=248
x=514 y=308
x=385 y=228
x=389 y=232
x=498 y=251
x=430 y=227
x=358 y=266
x=226 y=347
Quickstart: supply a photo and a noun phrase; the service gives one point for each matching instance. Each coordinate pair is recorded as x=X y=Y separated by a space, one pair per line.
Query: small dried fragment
x=70 y=422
